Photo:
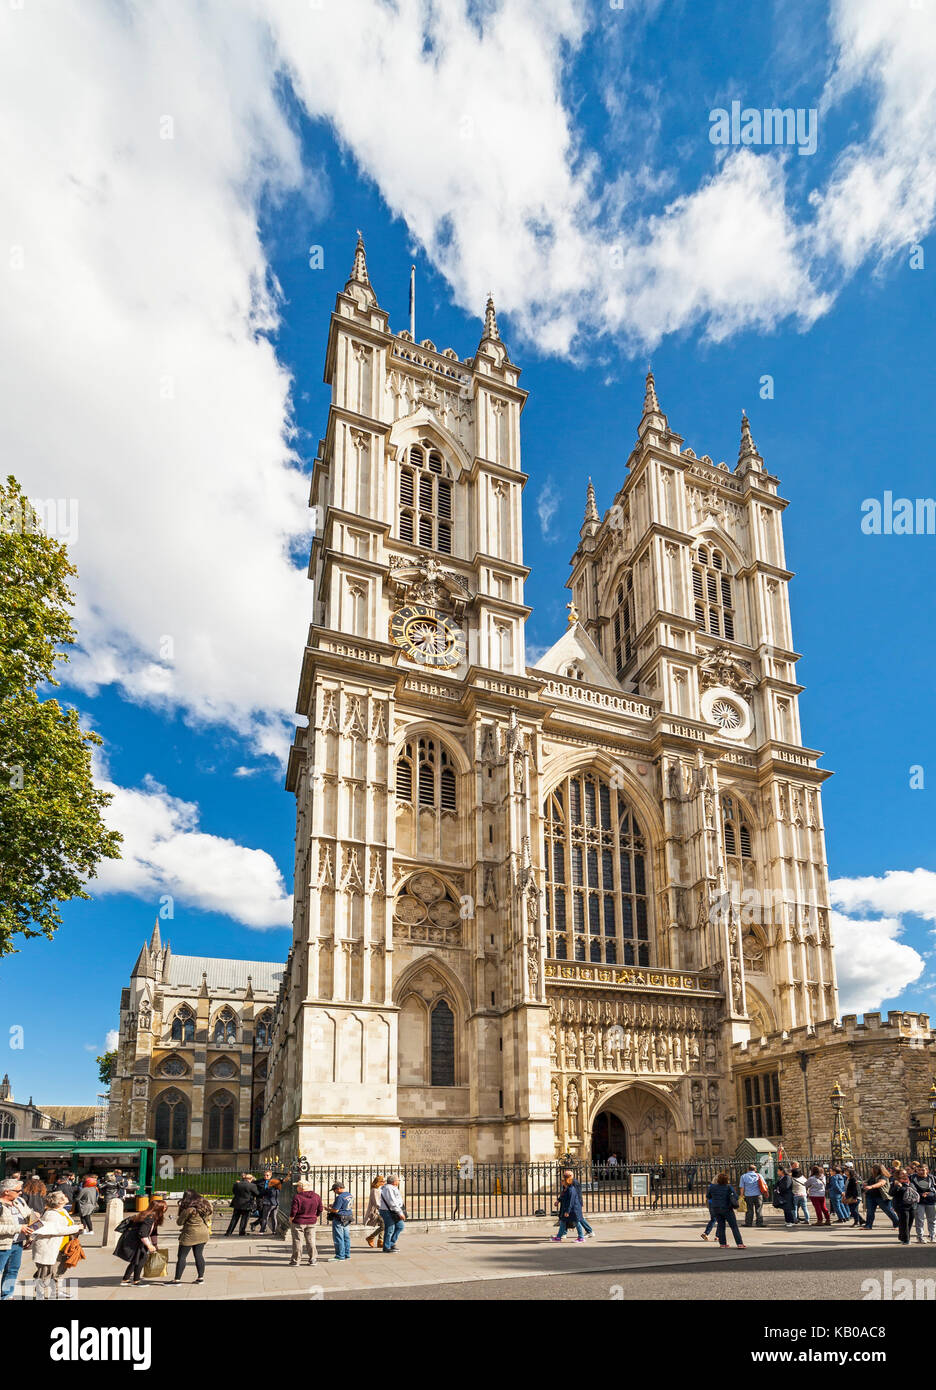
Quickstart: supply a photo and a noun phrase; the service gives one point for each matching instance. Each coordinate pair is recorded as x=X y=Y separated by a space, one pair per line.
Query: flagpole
x=412 y=303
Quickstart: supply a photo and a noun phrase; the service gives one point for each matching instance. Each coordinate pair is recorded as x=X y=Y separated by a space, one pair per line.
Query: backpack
x=908 y=1195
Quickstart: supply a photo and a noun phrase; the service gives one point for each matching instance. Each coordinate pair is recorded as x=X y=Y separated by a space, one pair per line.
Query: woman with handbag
x=723 y=1203
x=138 y=1240
x=51 y=1239
x=194 y=1216
x=372 y=1216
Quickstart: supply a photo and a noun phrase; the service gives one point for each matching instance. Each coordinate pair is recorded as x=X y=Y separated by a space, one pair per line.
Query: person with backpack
x=905 y=1198
x=783 y=1196
x=755 y=1190
x=340 y=1216
x=925 y=1214
x=194 y=1216
x=138 y=1238
x=723 y=1203
x=392 y=1212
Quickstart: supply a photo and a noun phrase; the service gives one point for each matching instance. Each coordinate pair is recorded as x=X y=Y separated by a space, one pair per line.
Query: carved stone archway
x=652 y=1122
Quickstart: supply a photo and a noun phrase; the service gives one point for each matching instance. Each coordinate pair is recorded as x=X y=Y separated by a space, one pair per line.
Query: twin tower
x=535 y=905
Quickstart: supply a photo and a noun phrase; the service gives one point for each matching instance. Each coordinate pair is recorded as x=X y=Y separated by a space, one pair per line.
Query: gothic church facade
x=538 y=908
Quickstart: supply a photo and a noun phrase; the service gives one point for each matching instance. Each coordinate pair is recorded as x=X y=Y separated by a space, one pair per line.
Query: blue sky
x=163 y=348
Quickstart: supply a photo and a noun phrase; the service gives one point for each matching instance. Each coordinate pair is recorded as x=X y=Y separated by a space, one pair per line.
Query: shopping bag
x=157 y=1262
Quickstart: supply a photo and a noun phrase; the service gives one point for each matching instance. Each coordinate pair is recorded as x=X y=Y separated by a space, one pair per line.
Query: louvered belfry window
x=425 y=769
x=735 y=830
x=622 y=625
x=597 y=892
x=425 y=499
x=712 y=593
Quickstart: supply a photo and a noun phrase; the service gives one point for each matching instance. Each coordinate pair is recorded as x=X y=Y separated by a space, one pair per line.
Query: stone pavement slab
x=252 y=1267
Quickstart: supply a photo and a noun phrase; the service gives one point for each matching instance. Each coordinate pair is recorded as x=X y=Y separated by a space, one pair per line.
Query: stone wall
x=884 y=1067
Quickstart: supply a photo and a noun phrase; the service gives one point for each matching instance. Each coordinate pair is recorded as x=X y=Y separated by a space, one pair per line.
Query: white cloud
x=547 y=504
x=871 y=964
x=165 y=852
x=137 y=377
x=897 y=891
x=112 y=1039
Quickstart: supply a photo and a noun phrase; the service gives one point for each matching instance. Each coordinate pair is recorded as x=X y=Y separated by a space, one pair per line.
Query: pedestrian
x=50 y=1238
x=754 y=1189
x=304 y=1212
x=570 y=1210
x=816 y=1191
x=925 y=1185
x=798 y=1179
x=657 y=1178
x=340 y=1216
x=86 y=1201
x=372 y=1214
x=569 y=1173
x=783 y=1197
x=267 y=1203
x=905 y=1198
x=723 y=1203
x=243 y=1199
x=66 y=1184
x=194 y=1216
x=392 y=1213
x=712 y=1218
x=13 y=1230
x=34 y=1195
x=836 y=1192
x=877 y=1194
x=852 y=1195
x=138 y=1238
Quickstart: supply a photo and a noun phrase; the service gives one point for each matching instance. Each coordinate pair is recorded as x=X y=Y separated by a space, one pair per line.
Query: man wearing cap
x=339 y=1214
x=13 y=1228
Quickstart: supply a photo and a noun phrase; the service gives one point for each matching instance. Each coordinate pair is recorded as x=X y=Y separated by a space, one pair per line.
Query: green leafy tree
x=106 y=1067
x=52 y=834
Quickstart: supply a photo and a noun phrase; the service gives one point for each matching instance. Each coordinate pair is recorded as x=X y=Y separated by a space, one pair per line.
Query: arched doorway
x=608 y=1137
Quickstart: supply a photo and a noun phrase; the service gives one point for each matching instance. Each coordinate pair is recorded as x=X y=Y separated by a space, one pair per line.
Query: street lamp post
x=841 y=1139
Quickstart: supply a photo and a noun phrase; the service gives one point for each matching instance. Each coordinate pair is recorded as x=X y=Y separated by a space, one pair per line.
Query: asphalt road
x=805 y=1274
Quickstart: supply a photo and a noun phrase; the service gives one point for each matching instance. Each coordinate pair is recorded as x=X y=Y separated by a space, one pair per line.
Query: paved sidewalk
x=251 y=1267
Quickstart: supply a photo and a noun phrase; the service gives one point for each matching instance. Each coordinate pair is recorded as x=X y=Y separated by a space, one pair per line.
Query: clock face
x=426 y=636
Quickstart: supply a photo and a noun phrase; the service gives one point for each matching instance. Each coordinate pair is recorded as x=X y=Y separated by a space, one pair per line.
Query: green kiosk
x=137 y=1157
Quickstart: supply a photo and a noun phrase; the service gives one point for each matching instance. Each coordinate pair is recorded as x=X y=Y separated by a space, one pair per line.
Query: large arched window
x=171 y=1121
x=712 y=592
x=622 y=624
x=596 y=878
x=7 y=1125
x=425 y=770
x=221 y=1121
x=425 y=499
x=265 y=1028
x=442 y=1044
x=183 y=1025
x=225 y=1029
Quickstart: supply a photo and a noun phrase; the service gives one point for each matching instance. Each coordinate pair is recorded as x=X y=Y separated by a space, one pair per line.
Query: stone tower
x=535 y=907
x=412 y=1023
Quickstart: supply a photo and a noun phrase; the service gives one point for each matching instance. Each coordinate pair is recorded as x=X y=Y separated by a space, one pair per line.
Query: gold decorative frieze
x=629 y=977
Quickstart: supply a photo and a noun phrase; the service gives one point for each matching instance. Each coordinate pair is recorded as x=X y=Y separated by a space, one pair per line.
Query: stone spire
x=144 y=962
x=652 y=417
x=748 y=457
x=359 y=285
x=491 y=342
x=590 y=524
x=155 y=940
x=6 y=1090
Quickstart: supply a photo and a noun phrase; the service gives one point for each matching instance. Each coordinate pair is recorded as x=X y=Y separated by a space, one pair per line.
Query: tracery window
x=425 y=499
x=170 y=1128
x=424 y=767
x=225 y=1029
x=173 y=1066
x=183 y=1025
x=596 y=876
x=264 y=1029
x=7 y=1125
x=622 y=624
x=712 y=592
x=221 y=1121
